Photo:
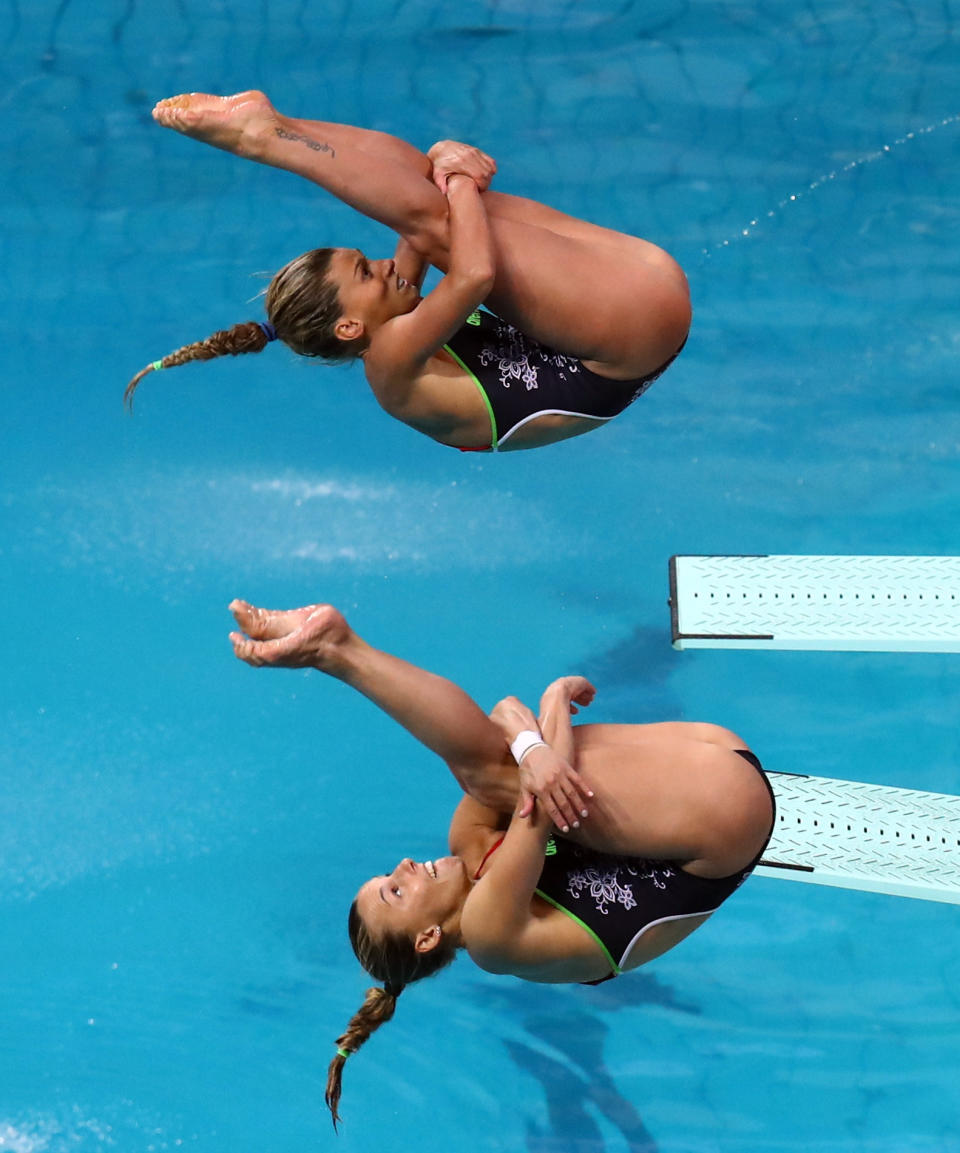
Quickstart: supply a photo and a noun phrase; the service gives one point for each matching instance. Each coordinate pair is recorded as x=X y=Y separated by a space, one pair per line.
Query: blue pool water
x=181 y=835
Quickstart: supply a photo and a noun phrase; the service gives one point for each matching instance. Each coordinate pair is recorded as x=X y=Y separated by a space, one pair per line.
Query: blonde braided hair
x=394 y=960
x=303 y=307
x=241 y=338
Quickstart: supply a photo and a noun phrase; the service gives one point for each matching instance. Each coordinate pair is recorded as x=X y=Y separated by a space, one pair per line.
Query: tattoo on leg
x=316 y=145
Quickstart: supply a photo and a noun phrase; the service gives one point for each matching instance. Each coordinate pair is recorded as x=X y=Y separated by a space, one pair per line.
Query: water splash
x=860 y=162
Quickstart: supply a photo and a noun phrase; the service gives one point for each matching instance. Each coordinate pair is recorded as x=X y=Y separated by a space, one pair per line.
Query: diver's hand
x=513 y=717
x=450 y=157
x=556 y=785
x=573 y=691
x=544 y=775
x=309 y=637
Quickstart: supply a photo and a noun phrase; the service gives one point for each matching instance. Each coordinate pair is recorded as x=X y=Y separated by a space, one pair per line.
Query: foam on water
x=183 y=520
x=57 y=1134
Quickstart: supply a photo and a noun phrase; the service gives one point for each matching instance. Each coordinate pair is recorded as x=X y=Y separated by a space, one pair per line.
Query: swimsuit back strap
x=493 y=848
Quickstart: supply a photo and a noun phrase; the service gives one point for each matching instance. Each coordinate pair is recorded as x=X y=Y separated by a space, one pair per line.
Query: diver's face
x=414 y=897
x=370 y=291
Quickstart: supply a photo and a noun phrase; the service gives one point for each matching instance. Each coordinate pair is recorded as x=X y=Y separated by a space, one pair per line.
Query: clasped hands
x=451 y=158
x=545 y=775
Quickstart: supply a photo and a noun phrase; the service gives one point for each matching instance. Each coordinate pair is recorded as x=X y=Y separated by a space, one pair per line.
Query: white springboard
x=863 y=836
x=857 y=603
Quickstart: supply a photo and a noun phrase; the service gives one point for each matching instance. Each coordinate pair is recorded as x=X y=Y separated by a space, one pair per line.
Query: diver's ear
x=347 y=329
x=428 y=939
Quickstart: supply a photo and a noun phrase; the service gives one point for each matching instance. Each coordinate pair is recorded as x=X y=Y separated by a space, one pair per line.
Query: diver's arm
x=497 y=921
x=400 y=349
x=559 y=702
x=545 y=771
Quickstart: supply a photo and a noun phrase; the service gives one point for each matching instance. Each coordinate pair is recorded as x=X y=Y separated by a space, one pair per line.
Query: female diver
x=583 y=318
x=679 y=815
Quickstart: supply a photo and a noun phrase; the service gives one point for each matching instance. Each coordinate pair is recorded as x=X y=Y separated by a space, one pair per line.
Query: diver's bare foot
x=310 y=637
x=234 y=123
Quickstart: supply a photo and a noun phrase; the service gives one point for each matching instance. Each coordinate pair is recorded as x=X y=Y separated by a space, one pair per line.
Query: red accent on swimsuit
x=489 y=852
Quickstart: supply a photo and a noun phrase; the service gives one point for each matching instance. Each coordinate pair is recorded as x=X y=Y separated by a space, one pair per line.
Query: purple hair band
x=268 y=330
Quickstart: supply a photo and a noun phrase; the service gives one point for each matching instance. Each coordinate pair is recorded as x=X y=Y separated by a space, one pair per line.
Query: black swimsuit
x=617 y=899
x=521 y=379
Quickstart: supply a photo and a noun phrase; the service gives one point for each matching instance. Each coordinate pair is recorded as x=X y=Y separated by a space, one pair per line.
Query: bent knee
x=675 y=307
x=429 y=235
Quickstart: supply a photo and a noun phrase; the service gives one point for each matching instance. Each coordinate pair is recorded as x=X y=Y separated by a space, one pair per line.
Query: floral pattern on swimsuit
x=607 y=886
x=518 y=360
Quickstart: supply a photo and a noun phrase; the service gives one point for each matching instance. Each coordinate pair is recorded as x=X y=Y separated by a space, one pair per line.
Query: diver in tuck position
x=577 y=852
x=583 y=318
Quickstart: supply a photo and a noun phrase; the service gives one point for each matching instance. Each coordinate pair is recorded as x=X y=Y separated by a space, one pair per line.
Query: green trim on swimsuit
x=573 y=917
x=486 y=399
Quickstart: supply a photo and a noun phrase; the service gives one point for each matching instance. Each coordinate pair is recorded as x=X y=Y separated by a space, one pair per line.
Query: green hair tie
x=344 y=1053
x=157 y=365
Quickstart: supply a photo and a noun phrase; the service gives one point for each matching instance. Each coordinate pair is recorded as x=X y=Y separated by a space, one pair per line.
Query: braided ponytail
x=377 y=1008
x=302 y=302
x=394 y=960
x=248 y=337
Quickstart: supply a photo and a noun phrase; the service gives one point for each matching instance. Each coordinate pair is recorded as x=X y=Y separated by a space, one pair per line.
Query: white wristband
x=524 y=742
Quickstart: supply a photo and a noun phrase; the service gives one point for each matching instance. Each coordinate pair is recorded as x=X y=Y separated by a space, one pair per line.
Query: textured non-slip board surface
x=879 y=603
x=861 y=836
